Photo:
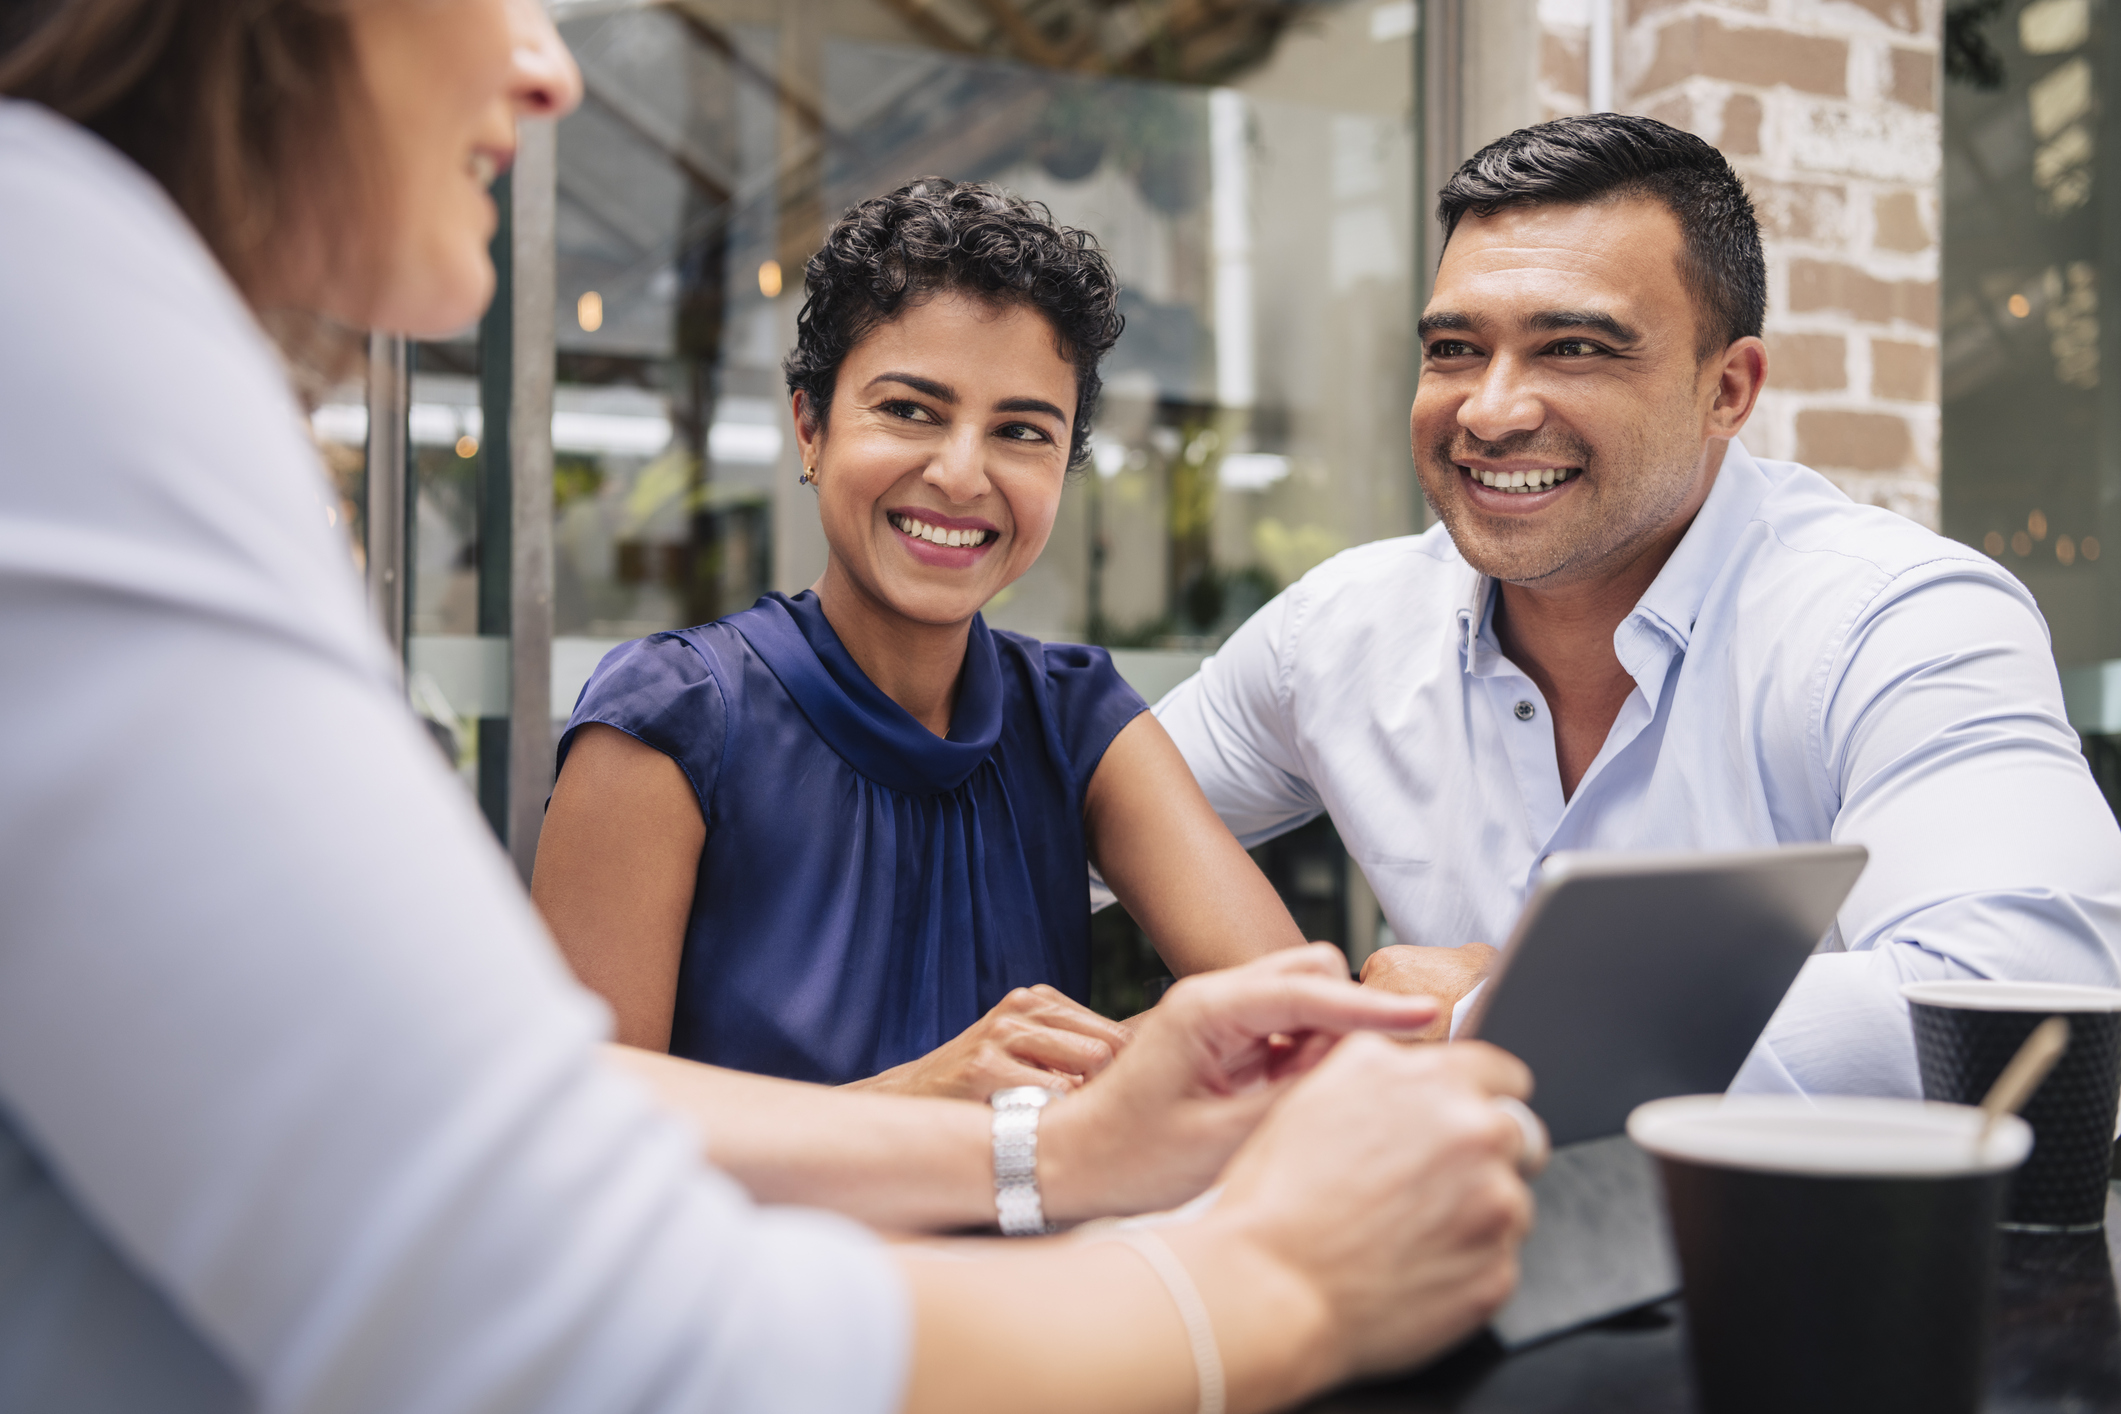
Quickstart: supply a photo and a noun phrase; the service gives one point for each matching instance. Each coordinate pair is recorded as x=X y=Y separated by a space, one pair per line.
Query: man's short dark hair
x=934 y=236
x=1613 y=156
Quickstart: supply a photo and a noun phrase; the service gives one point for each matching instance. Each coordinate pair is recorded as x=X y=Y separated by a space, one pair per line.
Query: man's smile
x=1520 y=480
x=1516 y=490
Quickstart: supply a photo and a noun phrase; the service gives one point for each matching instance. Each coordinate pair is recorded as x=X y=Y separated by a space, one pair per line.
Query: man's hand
x=1033 y=1036
x=1446 y=974
x=1204 y=1066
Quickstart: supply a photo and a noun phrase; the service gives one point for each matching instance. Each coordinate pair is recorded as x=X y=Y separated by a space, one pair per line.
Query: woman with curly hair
x=926 y=793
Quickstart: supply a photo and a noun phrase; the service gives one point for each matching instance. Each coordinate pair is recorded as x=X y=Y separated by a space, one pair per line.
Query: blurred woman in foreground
x=299 y=1110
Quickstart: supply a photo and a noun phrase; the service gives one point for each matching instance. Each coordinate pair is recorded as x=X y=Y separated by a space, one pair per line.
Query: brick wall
x=1828 y=109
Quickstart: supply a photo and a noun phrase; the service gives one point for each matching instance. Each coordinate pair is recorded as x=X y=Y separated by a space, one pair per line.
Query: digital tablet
x=1630 y=977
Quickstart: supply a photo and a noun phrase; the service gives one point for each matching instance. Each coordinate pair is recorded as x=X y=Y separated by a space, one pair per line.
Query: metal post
x=1599 y=78
x=1440 y=85
x=496 y=502
x=533 y=194
x=389 y=398
x=1443 y=108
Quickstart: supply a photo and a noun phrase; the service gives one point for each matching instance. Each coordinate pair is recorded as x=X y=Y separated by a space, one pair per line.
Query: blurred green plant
x=575 y=478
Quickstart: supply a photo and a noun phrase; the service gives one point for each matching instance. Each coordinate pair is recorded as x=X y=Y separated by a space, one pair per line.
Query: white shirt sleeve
x=274 y=1011
x=1232 y=723
x=1943 y=737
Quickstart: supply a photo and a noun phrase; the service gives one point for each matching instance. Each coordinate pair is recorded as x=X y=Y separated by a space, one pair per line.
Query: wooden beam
x=712 y=35
x=921 y=16
x=710 y=186
x=1023 y=36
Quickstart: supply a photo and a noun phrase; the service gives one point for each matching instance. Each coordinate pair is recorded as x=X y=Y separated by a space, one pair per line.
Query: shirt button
x=1526 y=711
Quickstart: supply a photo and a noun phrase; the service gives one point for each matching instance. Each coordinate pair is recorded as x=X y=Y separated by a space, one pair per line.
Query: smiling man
x=1629 y=633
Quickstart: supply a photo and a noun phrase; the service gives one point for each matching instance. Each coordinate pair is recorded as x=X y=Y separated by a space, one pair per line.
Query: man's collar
x=1673 y=600
x=1473 y=595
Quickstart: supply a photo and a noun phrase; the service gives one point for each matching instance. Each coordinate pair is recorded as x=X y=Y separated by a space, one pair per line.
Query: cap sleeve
x=661 y=691
x=1091 y=701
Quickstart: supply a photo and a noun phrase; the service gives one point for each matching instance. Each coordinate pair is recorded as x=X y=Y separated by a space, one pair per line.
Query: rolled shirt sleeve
x=1942 y=738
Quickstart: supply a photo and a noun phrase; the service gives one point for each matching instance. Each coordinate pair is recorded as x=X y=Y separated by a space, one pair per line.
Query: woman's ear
x=809 y=432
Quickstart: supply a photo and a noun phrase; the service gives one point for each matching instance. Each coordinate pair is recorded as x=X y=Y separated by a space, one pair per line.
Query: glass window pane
x=1264 y=231
x=2030 y=446
x=1250 y=169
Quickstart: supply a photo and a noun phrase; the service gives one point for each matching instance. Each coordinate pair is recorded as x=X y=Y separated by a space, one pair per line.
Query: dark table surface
x=2057 y=1348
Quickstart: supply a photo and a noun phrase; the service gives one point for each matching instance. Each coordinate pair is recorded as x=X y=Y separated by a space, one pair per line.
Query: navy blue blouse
x=868 y=889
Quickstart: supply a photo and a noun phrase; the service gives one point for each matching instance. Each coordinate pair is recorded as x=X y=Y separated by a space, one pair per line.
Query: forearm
x=1204 y=904
x=902 y=1163
x=1172 y=863
x=898 y=1162
x=1107 y=1335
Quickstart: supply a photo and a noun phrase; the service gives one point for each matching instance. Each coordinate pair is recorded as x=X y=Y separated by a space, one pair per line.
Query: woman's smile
x=950 y=542
x=940 y=466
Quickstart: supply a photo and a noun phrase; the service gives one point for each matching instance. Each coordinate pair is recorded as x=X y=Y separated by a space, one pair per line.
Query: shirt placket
x=1519 y=715
x=1647 y=655
x=1527 y=733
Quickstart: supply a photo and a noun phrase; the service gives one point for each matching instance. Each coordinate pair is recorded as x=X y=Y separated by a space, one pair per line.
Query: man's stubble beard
x=1604 y=529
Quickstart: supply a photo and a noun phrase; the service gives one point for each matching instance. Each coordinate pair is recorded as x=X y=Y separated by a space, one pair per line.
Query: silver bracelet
x=1200 y=1331
x=1016 y=1200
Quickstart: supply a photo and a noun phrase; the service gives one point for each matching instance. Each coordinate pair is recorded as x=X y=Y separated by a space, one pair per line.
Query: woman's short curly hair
x=934 y=235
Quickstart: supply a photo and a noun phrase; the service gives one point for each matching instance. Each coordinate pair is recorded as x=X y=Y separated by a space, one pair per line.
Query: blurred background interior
x=607 y=454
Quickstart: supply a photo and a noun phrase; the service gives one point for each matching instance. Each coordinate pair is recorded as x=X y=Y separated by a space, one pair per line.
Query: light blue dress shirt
x=1805 y=669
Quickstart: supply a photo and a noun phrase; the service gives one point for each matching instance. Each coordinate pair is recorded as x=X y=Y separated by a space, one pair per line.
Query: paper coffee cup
x=1966 y=1032
x=1839 y=1254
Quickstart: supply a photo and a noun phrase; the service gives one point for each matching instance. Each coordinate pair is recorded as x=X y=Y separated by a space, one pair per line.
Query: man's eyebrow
x=1444 y=320
x=942 y=392
x=1555 y=321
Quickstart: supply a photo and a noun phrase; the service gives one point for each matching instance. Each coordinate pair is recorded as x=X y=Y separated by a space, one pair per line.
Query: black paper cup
x=1839 y=1254
x=1966 y=1032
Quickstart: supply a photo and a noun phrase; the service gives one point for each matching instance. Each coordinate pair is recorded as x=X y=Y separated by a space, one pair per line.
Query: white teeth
x=483 y=168
x=1537 y=479
x=936 y=535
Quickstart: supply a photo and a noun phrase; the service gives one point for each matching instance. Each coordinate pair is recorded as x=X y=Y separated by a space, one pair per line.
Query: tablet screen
x=1631 y=977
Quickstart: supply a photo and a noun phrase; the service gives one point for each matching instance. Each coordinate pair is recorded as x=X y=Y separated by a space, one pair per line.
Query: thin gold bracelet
x=1200 y=1331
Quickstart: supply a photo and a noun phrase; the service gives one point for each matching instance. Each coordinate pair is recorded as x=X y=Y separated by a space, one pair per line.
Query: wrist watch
x=1016 y=1198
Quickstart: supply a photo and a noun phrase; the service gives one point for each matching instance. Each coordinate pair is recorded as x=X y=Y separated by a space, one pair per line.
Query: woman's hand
x=1368 y=1224
x=1204 y=1066
x=1033 y=1036
x=1384 y=1200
